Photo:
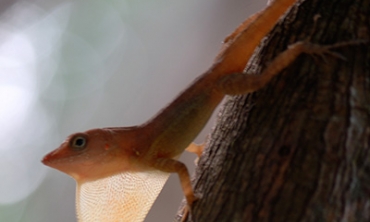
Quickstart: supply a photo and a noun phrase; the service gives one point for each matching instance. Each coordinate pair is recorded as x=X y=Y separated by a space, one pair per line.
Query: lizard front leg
x=174 y=166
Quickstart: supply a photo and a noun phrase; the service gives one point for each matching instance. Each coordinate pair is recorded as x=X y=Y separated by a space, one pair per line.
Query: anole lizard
x=120 y=170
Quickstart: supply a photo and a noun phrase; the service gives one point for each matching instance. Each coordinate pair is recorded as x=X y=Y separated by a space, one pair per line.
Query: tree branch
x=299 y=149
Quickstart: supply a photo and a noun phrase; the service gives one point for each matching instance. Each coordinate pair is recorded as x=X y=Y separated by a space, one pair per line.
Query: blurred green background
x=68 y=66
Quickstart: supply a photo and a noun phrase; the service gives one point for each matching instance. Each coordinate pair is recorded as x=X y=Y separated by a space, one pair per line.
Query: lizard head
x=89 y=155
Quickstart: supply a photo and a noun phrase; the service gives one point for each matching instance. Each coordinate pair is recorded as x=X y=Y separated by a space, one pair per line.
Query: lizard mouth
x=60 y=160
x=55 y=157
x=50 y=158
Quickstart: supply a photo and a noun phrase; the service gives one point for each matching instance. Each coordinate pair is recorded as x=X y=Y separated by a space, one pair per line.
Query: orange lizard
x=120 y=170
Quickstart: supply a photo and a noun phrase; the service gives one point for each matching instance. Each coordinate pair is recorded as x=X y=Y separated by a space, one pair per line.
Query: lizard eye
x=78 y=142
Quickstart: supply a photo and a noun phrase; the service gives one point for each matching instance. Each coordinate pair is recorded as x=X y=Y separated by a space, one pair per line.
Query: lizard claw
x=187 y=212
x=324 y=53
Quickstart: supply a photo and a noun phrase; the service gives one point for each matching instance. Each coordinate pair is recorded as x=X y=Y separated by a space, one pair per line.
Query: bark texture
x=299 y=149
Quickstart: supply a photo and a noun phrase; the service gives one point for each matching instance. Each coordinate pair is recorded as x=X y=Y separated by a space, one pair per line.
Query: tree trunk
x=299 y=149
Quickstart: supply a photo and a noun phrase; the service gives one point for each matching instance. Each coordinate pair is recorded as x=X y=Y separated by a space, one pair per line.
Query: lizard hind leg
x=241 y=83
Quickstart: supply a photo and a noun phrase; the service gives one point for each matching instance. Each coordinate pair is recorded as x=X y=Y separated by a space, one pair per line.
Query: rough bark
x=299 y=149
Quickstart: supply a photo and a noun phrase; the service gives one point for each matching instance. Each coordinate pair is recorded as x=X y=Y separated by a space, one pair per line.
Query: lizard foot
x=322 y=51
